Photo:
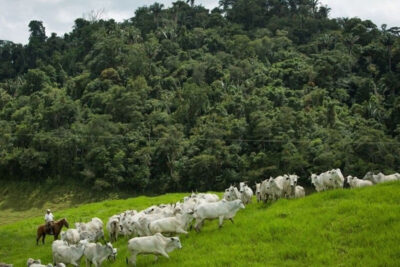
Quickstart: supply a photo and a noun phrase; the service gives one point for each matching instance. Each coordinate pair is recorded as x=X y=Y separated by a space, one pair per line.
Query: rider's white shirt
x=49 y=217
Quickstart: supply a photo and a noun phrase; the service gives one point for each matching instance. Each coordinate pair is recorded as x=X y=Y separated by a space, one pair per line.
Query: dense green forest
x=184 y=98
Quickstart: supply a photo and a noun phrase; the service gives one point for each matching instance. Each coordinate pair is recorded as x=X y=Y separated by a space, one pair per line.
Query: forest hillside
x=185 y=98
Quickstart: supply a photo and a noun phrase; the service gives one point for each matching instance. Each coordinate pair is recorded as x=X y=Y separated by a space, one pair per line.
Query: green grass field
x=337 y=228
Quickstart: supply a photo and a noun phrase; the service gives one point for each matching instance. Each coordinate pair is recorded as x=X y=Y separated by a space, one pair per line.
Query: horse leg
x=43 y=237
x=38 y=236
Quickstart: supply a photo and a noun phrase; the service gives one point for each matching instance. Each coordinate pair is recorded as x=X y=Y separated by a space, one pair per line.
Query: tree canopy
x=186 y=98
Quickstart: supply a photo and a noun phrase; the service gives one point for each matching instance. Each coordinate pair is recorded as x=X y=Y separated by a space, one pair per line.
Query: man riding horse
x=49 y=219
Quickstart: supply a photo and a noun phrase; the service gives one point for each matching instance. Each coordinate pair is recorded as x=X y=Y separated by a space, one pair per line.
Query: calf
x=156 y=244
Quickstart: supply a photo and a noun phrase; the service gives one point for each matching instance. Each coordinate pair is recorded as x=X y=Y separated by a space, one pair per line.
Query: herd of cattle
x=153 y=226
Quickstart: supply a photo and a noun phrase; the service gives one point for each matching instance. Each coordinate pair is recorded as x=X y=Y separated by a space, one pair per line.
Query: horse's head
x=65 y=222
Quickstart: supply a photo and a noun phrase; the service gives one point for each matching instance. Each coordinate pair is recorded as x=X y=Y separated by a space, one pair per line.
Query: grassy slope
x=21 y=200
x=339 y=228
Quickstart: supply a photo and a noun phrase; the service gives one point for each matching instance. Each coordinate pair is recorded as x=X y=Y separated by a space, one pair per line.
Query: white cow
x=328 y=180
x=96 y=253
x=258 y=192
x=286 y=184
x=71 y=236
x=223 y=210
x=113 y=227
x=355 y=182
x=92 y=231
x=48 y=265
x=63 y=253
x=31 y=261
x=226 y=194
x=316 y=180
x=246 y=193
x=337 y=177
x=37 y=263
x=381 y=178
x=156 y=244
x=299 y=192
x=206 y=196
x=126 y=219
x=272 y=189
x=264 y=192
x=190 y=203
x=232 y=193
x=177 y=224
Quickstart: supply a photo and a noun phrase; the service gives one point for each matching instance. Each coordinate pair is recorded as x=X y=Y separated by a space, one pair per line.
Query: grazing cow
x=156 y=244
x=258 y=192
x=92 y=231
x=96 y=253
x=177 y=224
x=299 y=191
x=223 y=210
x=62 y=253
x=71 y=236
x=354 y=182
x=113 y=227
x=246 y=193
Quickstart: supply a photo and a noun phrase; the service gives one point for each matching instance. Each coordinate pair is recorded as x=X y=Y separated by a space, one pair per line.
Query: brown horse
x=57 y=226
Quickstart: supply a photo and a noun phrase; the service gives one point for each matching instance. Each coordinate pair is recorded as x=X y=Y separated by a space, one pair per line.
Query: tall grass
x=338 y=228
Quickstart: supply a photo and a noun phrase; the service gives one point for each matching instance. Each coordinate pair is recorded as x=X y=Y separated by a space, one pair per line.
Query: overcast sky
x=59 y=15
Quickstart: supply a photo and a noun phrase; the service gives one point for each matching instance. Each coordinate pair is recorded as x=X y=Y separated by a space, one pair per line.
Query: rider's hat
x=48 y=210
